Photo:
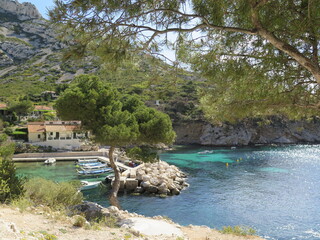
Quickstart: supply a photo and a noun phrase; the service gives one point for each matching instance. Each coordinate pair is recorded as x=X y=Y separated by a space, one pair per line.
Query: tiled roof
x=3 y=105
x=54 y=126
x=42 y=107
x=36 y=127
x=62 y=128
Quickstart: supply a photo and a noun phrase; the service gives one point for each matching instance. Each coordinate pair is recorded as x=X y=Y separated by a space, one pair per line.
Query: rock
x=89 y=209
x=146 y=178
x=131 y=184
x=12 y=227
x=24 y=11
x=139 y=190
x=151 y=189
x=113 y=209
x=145 y=184
x=175 y=191
x=179 y=180
x=163 y=189
x=154 y=181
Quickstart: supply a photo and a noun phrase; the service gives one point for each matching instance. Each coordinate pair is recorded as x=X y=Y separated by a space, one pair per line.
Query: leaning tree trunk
x=116 y=183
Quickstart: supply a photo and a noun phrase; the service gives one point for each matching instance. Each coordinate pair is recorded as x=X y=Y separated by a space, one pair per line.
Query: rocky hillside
x=30 y=55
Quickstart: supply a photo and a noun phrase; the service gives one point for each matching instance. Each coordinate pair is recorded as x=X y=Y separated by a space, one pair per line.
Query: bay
x=274 y=190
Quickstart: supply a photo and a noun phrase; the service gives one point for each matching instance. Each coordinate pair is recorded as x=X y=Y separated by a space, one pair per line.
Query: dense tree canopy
x=262 y=56
x=116 y=120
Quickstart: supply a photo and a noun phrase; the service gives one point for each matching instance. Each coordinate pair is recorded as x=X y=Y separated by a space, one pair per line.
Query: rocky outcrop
x=273 y=131
x=154 y=178
x=23 y=11
x=160 y=178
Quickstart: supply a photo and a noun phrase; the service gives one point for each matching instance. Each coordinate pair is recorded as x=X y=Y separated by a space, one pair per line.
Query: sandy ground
x=15 y=225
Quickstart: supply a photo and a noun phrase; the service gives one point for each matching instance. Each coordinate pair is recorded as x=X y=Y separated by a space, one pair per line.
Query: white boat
x=93 y=172
x=50 y=161
x=206 y=152
x=85 y=185
x=94 y=166
x=84 y=161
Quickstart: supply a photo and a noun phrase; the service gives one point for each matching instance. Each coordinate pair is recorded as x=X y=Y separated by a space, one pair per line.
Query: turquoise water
x=275 y=190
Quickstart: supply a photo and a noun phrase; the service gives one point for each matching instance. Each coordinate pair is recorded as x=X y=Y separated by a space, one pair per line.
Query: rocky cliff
x=23 y=33
x=274 y=131
x=23 y=11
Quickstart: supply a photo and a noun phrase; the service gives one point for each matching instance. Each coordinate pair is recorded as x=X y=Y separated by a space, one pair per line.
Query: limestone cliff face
x=23 y=11
x=247 y=133
x=24 y=34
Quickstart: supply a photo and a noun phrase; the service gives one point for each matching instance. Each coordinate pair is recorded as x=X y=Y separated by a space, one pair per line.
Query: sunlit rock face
x=23 y=11
x=249 y=132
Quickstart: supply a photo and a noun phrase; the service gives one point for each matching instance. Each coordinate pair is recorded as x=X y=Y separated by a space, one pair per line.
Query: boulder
x=131 y=184
x=151 y=189
x=154 y=181
x=145 y=184
x=175 y=191
x=139 y=190
x=89 y=209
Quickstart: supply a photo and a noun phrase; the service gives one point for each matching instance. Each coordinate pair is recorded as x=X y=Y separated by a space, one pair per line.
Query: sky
x=42 y=5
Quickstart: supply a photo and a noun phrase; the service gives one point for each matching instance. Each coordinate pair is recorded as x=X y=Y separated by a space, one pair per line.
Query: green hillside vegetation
x=13 y=39
x=152 y=79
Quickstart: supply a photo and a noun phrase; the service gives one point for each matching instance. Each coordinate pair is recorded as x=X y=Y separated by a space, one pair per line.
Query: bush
x=11 y=187
x=238 y=230
x=79 y=221
x=57 y=196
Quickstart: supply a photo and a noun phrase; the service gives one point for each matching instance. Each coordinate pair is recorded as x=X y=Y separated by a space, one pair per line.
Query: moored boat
x=86 y=185
x=94 y=172
x=50 y=161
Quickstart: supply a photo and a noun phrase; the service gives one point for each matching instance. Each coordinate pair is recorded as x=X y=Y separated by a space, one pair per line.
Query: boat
x=92 y=165
x=94 y=172
x=50 y=161
x=95 y=166
x=206 y=152
x=85 y=185
x=84 y=161
x=109 y=178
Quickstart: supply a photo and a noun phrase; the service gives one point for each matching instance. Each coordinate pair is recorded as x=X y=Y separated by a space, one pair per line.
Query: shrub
x=11 y=187
x=54 y=195
x=79 y=221
x=238 y=230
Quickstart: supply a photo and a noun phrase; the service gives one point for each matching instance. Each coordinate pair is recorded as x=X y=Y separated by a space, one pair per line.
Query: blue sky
x=41 y=5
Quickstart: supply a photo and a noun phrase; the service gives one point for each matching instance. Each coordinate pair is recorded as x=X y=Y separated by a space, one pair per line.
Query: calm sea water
x=275 y=190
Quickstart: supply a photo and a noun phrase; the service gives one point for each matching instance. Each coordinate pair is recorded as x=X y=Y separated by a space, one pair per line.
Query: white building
x=57 y=134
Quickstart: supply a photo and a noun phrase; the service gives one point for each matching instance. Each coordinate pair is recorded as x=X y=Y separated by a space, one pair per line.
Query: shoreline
x=38 y=224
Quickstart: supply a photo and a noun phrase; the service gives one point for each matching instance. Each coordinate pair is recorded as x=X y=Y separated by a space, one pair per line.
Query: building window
x=39 y=136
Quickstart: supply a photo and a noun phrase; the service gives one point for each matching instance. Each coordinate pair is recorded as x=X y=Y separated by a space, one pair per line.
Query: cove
x=275 y=190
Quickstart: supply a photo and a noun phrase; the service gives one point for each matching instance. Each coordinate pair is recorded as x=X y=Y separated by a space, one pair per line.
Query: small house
x=57 y=134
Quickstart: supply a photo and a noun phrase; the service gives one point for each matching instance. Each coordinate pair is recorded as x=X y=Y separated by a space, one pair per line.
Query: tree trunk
x=116 y=183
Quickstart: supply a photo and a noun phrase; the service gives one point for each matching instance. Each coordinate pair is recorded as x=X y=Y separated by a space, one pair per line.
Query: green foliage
x=14 y=39
x=113 y=118
x=238 y=230
x=144 y=153
x=79 y=221
x=262 y=57
x=22 y=107
x=10 y=185
x=57 y=196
